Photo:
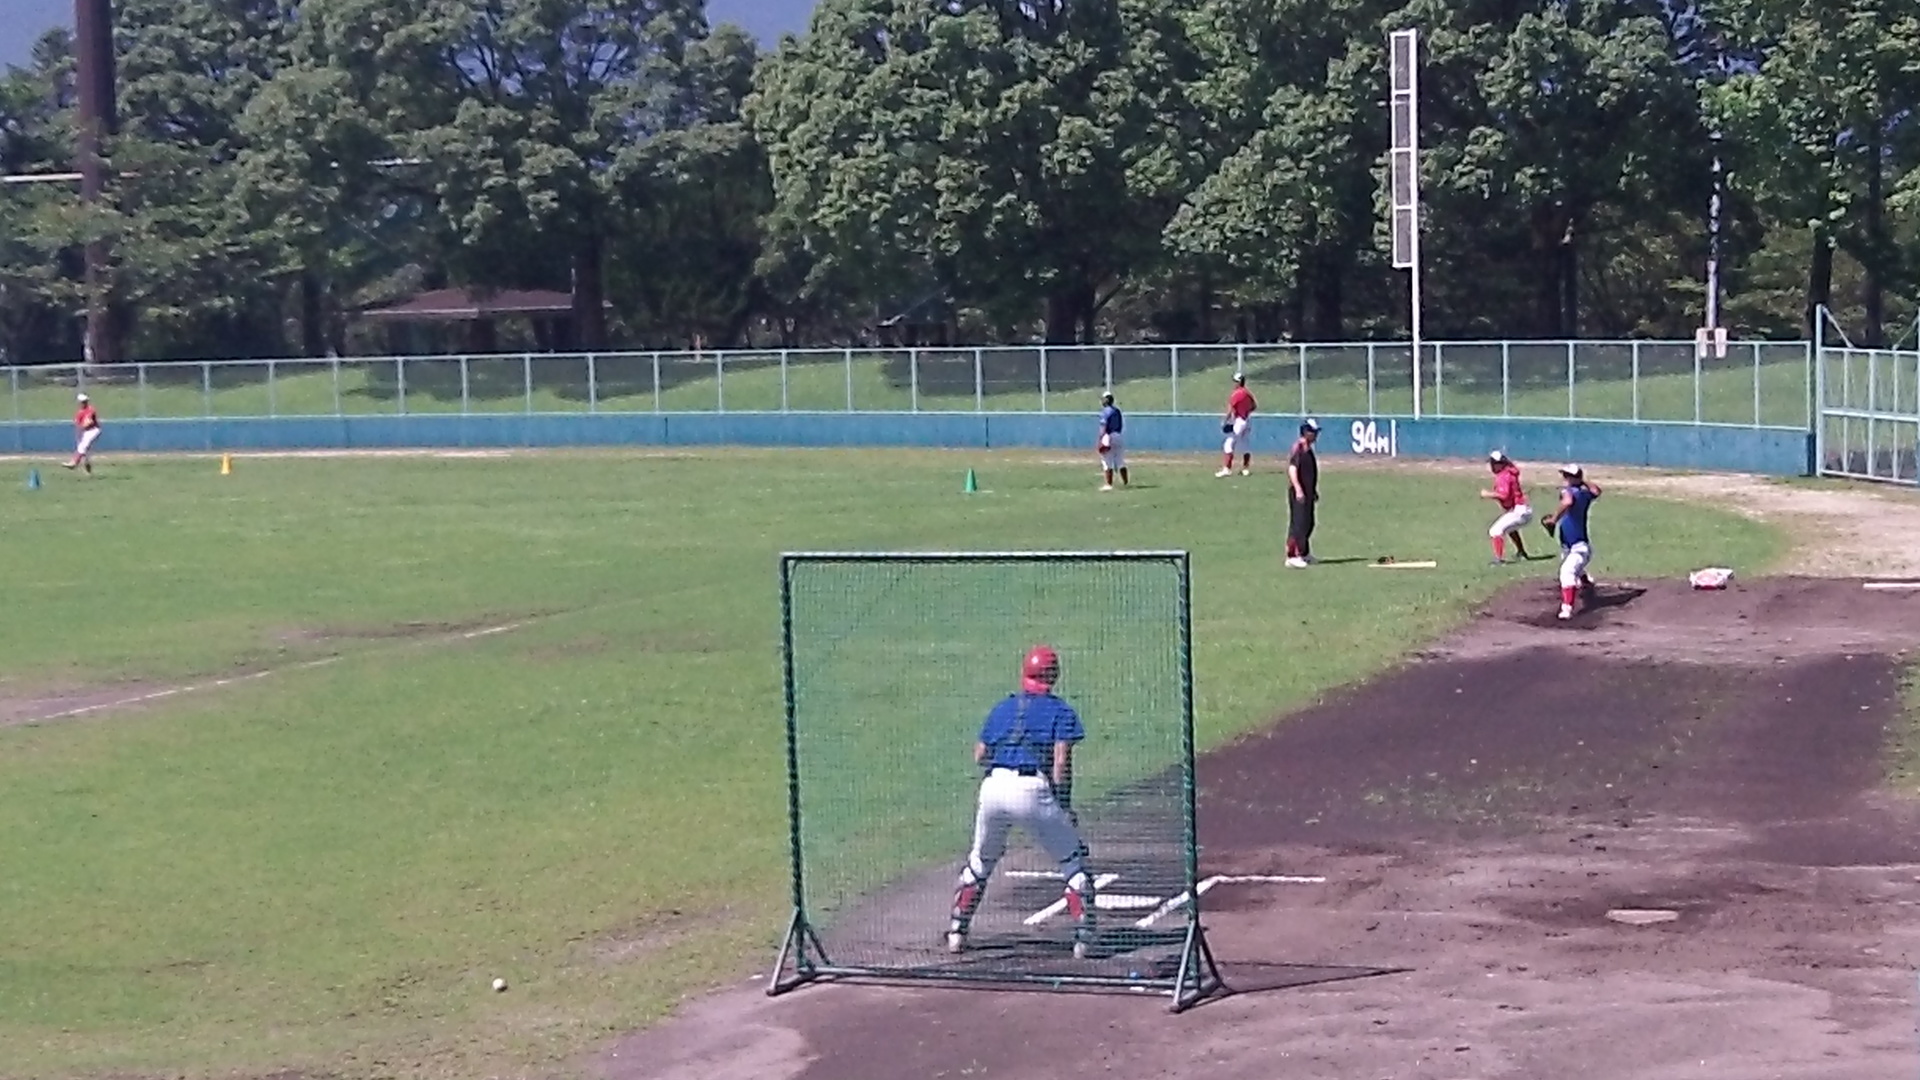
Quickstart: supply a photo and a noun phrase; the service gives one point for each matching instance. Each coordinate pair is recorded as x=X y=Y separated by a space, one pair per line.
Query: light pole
x=1713 y=238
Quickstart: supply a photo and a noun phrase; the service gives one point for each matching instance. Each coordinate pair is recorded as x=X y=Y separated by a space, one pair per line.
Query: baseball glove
x=1226 y=428
x=1547 y=524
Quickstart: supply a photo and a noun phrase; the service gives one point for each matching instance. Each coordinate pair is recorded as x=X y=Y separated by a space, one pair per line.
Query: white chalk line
x=232 y=680
x=1100 y=881
x=1104 y=901
x=1890 y=584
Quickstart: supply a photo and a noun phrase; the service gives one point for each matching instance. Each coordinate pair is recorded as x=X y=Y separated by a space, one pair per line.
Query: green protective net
x=894 y=661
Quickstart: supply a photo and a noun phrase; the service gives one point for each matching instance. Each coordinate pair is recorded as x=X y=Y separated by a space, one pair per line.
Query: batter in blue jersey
x=1577 y=495
x=1026 y=747
x=1112 y=458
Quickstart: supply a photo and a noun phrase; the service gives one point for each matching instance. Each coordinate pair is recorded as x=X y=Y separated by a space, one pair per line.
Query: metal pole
x=526 y=381
x=913 y=380
x=1439 y=380
x=979 y=383
x=206 y=390
x=1372 y=409
x=1043 y=378
x=1506 y=378
x=98 y=115
x=1301 y=368
x=783 y=380
x=1173 y=376
x=143 y=393
x=1634 y=382
x=273 y=396
x=1696 y=383
x=593 y=385
x=400 y=380
x=1570 y=410
x=466 y=391
x=1713 y=240
x=719 y=376
x=656 y=381
x=1756 y=384
x=1107 y=354
x=849 y=380
x=337 y=410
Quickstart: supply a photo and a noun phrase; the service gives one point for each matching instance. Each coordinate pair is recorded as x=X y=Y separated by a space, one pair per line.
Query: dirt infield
x=1478 y=814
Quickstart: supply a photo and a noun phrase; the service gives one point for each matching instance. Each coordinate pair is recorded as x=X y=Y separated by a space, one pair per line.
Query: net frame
x=803 y=957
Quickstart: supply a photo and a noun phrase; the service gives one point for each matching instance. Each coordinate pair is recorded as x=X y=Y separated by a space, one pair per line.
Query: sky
x=23 y=21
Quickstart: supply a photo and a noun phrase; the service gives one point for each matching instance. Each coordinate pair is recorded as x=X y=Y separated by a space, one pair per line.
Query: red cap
x=1040 y=670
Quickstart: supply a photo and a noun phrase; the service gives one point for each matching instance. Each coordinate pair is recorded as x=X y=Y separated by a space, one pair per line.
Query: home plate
x=1643 y=916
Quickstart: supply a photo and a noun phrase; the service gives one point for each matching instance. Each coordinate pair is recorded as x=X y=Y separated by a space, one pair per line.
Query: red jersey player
x=1514 y=511
x=1237 y=425
x=86 y=422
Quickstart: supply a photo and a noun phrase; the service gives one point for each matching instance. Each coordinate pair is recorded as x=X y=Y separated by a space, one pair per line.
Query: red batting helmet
x=1042 y=665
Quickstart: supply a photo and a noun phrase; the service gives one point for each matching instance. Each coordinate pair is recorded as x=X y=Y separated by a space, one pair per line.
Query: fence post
x=1043 y=378
x=141 y=376
x=1873 y=401
x=337 y=409
x=593 y=385
x=1240 y=358
x=1633 y=381
x=13 y=391
x=273 y=396
x=1696 y=381
x=783 y=380
x=466 y=389
x=1756 y=384
x=656 y=380
x=979 y=382
x=1107 y=352
x=526 y=382
x=1300 y=368
x=1439 y=380
x=400 y=379
x=1173 y=374
x=1371 y=409
x=206 y=390
x=719 y=378
x=1816 y=408
x=1506 y=378
x=849 y=379
x=1571 y=413
x=913 y=379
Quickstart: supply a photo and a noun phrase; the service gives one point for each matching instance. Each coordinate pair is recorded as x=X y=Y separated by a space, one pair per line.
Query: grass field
x=323 y=868
x=1527 y=379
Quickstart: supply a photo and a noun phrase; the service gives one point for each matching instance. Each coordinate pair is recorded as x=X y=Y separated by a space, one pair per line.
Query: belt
x=1017 y=772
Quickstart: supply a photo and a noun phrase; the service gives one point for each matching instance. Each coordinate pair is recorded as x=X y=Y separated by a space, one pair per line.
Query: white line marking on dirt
x=1180 y=901
x=1100 y=881
x=1040 y=875
x=491 y=630
x=1890 y=584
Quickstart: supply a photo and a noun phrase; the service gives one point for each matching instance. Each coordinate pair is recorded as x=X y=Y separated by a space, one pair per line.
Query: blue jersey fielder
x=1111 y=422
x=1577 y=497
x=1019 y=732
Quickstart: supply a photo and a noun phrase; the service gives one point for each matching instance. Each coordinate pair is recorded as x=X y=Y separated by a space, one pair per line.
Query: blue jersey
x=1110 y=419
x=1021 y=730
x=1573 y=523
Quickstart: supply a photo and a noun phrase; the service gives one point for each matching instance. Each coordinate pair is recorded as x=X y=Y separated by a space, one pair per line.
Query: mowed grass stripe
x=323 y=870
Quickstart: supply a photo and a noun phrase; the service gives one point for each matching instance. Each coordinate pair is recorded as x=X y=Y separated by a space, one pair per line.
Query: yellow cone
x=226 y=464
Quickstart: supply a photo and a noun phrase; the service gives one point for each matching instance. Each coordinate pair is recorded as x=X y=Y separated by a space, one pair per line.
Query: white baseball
x=499 y=984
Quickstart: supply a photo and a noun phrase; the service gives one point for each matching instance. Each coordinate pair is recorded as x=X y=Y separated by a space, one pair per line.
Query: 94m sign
x=1376 y=437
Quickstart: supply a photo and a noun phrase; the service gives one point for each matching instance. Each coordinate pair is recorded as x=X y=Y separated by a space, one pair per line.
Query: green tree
x=1011 y=155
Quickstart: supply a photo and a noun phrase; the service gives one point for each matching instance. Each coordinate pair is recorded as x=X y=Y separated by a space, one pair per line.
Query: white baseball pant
x=1113 y=457
x=1008 y=799
x=87 y=438
x=1573 y=564
x=1240 y=437
x=1511 y=520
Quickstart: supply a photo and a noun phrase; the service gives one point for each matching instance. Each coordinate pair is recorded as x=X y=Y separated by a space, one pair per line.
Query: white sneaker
x=1246 y=472
x=956 y=942
x=1566 y=611
x=1081 y=950
x=1297 y=564
x=1224 y=472
x=1106 y=487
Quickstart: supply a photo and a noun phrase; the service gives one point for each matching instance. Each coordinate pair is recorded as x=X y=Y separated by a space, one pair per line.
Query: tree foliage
x=1063 y=170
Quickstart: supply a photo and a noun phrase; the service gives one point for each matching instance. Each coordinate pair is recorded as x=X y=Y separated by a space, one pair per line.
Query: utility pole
x=99 y=114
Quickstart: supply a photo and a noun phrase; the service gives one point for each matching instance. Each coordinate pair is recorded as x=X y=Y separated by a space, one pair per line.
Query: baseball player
x=1514 y=511
x=1576 y=544
x=1112 y=458
x=86 y=423
x=1303 y=491
x=1026 y=747
x=1237 y=425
